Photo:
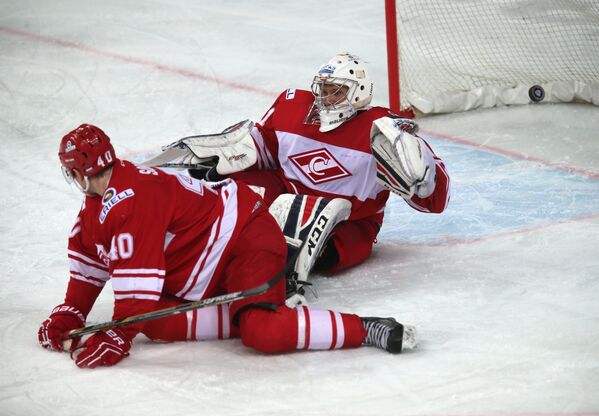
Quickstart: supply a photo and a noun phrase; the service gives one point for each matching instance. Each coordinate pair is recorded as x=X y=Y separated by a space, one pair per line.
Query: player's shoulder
x=127 y=173
x=377 y=112
x=131 y=188
x=293 y=96
x=365 y=118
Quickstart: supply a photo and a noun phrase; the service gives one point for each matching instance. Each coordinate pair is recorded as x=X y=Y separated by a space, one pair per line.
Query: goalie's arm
x=407 y=166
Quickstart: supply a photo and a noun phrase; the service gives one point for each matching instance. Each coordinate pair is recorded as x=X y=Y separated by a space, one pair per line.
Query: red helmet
x=87 y=150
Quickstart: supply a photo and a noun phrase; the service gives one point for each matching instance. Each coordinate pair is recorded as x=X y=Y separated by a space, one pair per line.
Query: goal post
x=448 y=56
x=392 y=55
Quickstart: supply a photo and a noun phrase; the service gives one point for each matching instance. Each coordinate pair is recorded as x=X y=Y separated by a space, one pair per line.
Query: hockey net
x=460 y=55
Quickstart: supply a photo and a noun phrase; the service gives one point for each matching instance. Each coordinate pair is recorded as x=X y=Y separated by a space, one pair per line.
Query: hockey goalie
x=325 y=162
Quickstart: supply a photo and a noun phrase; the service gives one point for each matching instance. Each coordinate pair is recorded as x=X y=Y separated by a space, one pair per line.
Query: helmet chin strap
x=83 y=189
x=69 y=177
x=100 y=186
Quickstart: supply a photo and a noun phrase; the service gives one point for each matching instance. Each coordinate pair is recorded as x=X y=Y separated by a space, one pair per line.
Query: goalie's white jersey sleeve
x=153 y=233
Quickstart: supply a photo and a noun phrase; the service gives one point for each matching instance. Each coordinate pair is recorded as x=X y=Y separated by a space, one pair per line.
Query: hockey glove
x=63 y=319
x=104 y=348
x=233 y=150
x=405 y=164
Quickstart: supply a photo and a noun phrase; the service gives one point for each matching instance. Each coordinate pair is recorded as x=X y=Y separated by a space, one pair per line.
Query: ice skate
x=388 y=334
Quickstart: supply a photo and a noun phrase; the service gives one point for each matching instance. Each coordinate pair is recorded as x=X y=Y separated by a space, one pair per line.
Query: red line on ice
x=236 y=85
x=138 y=61
x=515 y=155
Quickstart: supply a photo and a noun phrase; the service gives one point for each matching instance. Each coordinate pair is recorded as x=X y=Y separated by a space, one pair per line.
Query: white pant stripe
x=189 y=315
x=301 y=328
x=321 y=329
x=207 y=323
x=226 y=324
x=340 y=330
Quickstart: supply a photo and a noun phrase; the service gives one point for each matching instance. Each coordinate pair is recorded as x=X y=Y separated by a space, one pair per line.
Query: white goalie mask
x=341 y=88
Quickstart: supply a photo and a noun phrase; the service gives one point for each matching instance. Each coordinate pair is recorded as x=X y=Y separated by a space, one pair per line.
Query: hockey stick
x=293 y=249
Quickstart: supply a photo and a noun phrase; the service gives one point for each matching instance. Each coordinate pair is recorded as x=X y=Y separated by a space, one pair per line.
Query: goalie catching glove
x=228 y=152
x=405 y=164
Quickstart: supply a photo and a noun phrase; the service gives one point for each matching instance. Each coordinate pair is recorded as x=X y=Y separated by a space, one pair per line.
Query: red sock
x=287 y=329
x=201 y=324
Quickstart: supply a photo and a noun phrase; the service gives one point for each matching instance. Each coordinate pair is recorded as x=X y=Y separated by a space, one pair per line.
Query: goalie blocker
x=212 y=156
x=311 y=220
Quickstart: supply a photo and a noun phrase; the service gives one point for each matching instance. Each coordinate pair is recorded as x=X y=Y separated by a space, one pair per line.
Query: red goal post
x=446 y=56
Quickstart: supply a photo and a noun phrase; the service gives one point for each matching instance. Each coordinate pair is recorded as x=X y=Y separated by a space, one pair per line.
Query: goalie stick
x=293 y=249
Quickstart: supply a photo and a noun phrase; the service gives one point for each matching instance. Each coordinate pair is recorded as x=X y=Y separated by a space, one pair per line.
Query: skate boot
x=388 y=334
x=296 y=291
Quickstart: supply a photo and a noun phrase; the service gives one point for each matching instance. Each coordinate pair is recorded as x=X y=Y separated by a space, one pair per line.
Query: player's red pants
x=257 y=256
x=270 y=331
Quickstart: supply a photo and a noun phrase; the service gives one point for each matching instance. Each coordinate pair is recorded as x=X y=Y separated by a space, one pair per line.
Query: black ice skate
x=388 y=334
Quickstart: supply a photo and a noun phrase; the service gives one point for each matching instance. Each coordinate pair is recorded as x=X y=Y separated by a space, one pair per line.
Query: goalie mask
x=88 y=150
x=341 y=88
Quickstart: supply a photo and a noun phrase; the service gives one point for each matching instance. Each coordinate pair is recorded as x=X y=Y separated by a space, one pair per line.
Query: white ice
x=504 y=286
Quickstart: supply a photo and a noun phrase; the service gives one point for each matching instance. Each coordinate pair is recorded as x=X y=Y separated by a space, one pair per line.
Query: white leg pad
x=311 y=220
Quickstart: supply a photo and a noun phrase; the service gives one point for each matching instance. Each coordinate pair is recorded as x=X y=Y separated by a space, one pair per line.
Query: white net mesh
x=462 y=54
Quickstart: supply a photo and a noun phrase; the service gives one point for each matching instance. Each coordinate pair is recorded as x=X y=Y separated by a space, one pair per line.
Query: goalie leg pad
x=309 y=219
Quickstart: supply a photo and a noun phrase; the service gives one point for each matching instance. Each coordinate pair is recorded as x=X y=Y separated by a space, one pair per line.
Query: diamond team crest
x=319 y=166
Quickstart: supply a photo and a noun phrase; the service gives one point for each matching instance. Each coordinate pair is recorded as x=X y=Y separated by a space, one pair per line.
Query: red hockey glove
x=103 y=348
x=63 y=319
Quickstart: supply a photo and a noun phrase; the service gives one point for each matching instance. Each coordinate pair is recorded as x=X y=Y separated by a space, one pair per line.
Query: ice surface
x=504 y=286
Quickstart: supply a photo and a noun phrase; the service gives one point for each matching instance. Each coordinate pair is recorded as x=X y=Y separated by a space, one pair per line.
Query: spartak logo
x=319 y=166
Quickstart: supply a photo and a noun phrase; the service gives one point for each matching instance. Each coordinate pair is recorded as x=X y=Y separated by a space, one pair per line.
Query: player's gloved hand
x=104 y=348
x=63 y=319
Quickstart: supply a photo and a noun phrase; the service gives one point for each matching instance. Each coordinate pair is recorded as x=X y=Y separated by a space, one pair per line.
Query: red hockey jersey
x=338 y=163
x=150 y=225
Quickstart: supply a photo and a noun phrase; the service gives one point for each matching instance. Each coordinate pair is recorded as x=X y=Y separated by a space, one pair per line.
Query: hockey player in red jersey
x=163 y=240
x=328 y=143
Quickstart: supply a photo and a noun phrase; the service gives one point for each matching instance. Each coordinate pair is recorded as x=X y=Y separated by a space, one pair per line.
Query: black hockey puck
x=536 y=93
